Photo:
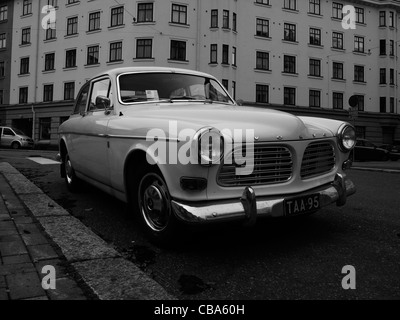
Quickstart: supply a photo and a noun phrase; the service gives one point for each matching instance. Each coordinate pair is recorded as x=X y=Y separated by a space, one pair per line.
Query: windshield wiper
x=182 y=98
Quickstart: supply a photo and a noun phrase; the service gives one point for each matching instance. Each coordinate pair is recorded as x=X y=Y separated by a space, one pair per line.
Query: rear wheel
x=71 y=179
x=154 y=206
x=15 y=145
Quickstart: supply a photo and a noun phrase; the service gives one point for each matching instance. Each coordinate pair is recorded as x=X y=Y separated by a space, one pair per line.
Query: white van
x=14 y=138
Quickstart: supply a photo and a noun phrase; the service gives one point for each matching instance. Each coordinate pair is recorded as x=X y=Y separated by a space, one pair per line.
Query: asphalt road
x=277 y=259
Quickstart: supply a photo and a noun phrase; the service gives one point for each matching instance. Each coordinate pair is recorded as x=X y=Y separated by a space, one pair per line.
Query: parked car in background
x=394 y=150
x=14 y=138
x=365 y=150
x=174 y=145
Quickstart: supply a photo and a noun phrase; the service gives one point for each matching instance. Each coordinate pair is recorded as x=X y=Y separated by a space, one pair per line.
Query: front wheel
x=15 y=145
x=154 y=206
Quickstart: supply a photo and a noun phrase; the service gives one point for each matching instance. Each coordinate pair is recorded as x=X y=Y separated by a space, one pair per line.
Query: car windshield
x=19 y=132
x=151 y=87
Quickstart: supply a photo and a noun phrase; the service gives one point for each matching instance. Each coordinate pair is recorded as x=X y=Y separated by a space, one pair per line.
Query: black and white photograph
x=199 y=156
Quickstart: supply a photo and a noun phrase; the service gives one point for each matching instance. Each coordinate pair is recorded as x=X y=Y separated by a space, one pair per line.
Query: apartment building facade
x=290 y=55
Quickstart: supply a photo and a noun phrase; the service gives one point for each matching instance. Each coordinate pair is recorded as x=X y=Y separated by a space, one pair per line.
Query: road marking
x=41 y=160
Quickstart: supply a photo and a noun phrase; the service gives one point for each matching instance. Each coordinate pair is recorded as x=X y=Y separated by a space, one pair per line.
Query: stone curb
x=101 y=267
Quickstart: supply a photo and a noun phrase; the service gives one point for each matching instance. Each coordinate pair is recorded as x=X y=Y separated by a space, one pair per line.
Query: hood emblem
x=256 y=138
x=314 y=135
x=279 y=137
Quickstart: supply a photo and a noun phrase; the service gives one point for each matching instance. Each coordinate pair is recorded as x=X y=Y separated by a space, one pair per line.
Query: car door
x=91 y=144
x=7 y=137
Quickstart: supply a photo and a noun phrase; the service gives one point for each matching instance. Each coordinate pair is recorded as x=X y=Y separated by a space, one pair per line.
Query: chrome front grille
x=319 y=158
x=272 y=165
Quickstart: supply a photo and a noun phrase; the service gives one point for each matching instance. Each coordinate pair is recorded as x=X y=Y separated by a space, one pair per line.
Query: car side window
x=99 y=88
x=80 y=106
x=8 y=132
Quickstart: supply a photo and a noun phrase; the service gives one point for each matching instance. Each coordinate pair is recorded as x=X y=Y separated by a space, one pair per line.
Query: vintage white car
x=174 y=145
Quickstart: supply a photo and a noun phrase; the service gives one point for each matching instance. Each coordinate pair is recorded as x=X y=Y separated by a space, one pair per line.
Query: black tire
x=385 y=157
x=71 y=180
x=152 y=201
x=15 y=145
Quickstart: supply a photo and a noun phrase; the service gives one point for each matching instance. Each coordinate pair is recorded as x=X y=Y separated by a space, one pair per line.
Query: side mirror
x=102 y=102
x=239 y=102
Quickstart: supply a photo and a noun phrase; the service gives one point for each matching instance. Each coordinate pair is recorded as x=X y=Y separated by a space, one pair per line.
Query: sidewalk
x=378 y=166
x=36 y=232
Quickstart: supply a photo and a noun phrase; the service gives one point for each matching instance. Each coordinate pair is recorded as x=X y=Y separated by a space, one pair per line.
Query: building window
x=382 y=76
x=70 y=58
x=289 y=96
x=69 y=90
x=23 y=95
x=179 y=14
x=289 y=4
x=92 y=55
x=337 y=70
x=262 y=28
x=178 y=50
x=26 y=36
x=382 y=104
x=94 y=21
x=315 y=36
x=262 y=60
x=49 y=59
x=382 y=47
x=359 y=73
x=315 y=98
x=234 y=89
x=44 y=128
x=115 y=51
x=289 y=64
x=72 y=1
x=337 y=40
x=359 y=44
x=262 y=94
x=144 y=48
x=360 y=102
x=225 y=83
x=360 y=132
x=234 y=22
x=26 y=7
x=234 y=56
x=1 y=97
x=360 y=16
x=117 y=16
x=315 y=67
x=314 y=7
x=2 y=69
x=265 y=2
x=24 y=67
x=50 y=33
x=289 y=32
x=391 y=19
x=145 y=12
x=214 y=53
x=225 y=54
x=52 y=3
x=72 y=26
x=391 y=47
x=391 y=101
x=391 y=76
x=338 y=100
x=382 y=18
x=225 y=19
x=337 y=10
x=214 y=18
x=2 y=40
x=48 y=93
x=3 y=12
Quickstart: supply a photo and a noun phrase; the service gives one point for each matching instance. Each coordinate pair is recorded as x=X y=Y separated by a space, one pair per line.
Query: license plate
x=302 y=205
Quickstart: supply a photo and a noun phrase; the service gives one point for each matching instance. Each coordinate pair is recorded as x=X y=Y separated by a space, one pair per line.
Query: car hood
x=268 y=124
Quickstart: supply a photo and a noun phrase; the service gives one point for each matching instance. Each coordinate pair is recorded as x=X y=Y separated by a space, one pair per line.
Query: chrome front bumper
x=249 y=207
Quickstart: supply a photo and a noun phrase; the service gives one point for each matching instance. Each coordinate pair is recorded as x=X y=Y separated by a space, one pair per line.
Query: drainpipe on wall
x=33 y=122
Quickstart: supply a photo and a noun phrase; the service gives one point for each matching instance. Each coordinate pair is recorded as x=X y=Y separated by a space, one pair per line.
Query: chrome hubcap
x=68 y=170
x=154 y=202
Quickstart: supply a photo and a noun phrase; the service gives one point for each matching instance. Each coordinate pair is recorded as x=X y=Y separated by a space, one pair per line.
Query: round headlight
x=347 y=138
x=210 y=146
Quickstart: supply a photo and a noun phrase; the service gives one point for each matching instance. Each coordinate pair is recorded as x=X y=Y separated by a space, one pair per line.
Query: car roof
x=117 y=71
